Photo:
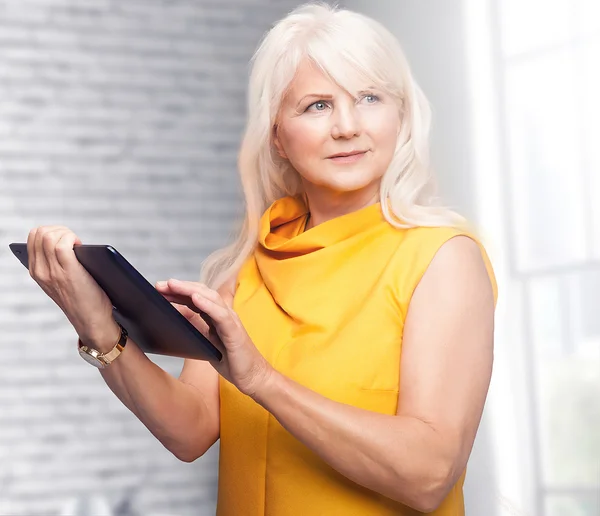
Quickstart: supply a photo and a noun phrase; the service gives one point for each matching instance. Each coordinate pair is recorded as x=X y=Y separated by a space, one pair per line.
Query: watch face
x=91 y=360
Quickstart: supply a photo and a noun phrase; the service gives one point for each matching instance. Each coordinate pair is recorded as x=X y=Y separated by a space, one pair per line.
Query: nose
x=346 y=122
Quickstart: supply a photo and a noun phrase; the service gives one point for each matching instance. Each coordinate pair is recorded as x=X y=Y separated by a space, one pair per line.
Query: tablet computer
x=150 y=320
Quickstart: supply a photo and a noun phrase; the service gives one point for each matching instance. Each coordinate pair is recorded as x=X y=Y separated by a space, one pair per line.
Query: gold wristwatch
x=101 y=360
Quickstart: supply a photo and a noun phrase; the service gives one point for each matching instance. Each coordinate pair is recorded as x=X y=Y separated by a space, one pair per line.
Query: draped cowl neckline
x=281 y=233
x=302 y=270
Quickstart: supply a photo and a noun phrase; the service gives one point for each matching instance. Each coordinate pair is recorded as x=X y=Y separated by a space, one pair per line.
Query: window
x=550 y=70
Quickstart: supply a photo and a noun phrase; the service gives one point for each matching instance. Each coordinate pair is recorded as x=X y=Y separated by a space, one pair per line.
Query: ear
x=277 y=143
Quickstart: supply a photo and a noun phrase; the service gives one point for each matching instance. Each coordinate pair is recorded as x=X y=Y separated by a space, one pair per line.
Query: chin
x=352 y=183
x=344 y=181
x=349 y=186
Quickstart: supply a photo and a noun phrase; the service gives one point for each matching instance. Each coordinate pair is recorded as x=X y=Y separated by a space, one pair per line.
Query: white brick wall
x=121 y=120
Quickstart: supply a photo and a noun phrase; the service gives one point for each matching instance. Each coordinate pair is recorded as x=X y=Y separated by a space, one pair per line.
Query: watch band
x=102 y=360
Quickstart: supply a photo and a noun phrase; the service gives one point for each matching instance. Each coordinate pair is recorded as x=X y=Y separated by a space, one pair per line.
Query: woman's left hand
x=242 y=364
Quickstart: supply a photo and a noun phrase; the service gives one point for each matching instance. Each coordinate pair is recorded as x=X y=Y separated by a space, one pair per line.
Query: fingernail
x=161 y=283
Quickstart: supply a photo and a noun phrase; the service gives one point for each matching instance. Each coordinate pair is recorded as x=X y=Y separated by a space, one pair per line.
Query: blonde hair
x=353 y=50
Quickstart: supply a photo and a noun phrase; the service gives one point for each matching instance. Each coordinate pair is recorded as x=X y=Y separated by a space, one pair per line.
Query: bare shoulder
x=460 y=264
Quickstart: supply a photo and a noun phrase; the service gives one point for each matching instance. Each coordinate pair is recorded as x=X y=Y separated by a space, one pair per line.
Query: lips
x=346 y=158
x=346 y=154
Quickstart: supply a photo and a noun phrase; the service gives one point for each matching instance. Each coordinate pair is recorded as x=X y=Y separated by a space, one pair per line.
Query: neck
x=322 y=208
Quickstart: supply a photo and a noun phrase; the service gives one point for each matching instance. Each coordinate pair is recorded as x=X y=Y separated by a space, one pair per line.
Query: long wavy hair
x=353 y=50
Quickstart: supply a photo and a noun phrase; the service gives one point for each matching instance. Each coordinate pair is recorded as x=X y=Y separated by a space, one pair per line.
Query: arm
x=183 y=414
x=416 y=456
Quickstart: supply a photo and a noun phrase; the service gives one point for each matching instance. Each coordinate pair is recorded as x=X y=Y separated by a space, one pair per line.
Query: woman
x=355 y=315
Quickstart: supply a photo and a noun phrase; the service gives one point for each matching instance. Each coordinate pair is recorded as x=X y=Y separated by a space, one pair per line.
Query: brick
x=122 y=121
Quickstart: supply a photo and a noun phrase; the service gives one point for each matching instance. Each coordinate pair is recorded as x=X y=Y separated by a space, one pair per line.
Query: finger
x=193 y=316
x=200 y=323
x=189 y=287
x=187 y=302
x=51 y=249
x=181 y=300
x=186 y=288
x=177 y=298
x=31 y=249
x=208 y=319
x=65 y=256
x=49 y=240
x=218 y=313
x=182 y=291
x=213 y=295
x=41 y=269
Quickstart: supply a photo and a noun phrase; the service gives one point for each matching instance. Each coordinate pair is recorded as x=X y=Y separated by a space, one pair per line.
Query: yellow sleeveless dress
x=326 y=308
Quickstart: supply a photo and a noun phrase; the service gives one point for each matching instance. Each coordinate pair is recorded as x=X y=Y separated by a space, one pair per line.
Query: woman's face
x=319 y=120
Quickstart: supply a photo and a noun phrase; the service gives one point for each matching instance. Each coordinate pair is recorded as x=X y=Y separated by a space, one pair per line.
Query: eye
x=370 y=98
x=320 y=105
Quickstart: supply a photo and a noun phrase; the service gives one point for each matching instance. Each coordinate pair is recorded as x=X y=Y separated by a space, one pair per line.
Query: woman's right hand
x=55 y=268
